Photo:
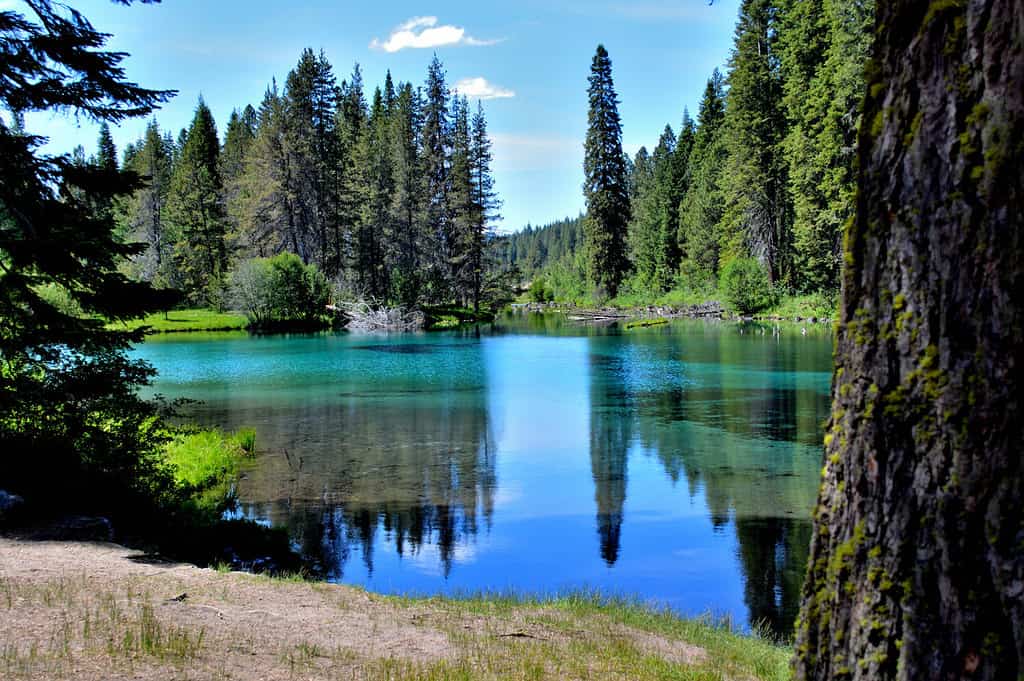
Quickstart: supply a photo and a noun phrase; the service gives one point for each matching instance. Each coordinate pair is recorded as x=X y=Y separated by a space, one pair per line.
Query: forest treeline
x=766 y=172
x=389 y=200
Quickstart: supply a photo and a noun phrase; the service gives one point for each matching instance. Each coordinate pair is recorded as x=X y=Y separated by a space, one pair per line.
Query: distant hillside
x=534 y=248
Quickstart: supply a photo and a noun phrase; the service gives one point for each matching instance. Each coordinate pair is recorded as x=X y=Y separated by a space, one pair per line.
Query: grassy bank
x=805 y=306
x=190 y=320
x=90 y=612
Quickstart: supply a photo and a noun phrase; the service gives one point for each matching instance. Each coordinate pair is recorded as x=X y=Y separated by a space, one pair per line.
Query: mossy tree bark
x=917 y=560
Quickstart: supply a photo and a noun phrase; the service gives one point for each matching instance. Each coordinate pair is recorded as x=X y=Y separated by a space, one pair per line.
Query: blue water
x=679 y=463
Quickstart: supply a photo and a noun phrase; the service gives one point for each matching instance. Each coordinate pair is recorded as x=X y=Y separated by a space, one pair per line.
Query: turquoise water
x=678 y=463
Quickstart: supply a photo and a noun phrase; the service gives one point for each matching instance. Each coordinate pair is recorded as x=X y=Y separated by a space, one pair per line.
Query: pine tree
x=824 y=46
x=238 y=143
x=106 y=155
x=644 y=228
x=311 y=143
x=106 y=160
x=700 y=212
x=73 y=431
x=238 y=140
x=407 y=205
x=606 y=186
x=668 y=182
x=486 y=203
x=145 y=211
x=262 y=203
x=757 y=219
x=195 y=208
x=436 y=160
x=374 y=230
x=461 y=205
x=351 y=114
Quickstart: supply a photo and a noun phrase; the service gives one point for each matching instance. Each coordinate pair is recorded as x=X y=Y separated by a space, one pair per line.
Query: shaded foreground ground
x=101 y=611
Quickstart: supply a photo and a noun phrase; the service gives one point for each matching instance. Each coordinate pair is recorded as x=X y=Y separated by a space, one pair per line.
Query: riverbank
x=650 y=315
x=101 y=611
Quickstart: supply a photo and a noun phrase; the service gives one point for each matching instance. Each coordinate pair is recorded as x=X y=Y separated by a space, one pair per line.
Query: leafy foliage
x=280 y=289
x=747 y=285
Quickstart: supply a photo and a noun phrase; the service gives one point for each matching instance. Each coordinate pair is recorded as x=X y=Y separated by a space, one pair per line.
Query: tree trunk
x=917 y=559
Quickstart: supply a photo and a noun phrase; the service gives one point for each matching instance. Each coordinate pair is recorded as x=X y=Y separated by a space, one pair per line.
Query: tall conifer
x=605 y=187
x=758 y=213
x=195 y=208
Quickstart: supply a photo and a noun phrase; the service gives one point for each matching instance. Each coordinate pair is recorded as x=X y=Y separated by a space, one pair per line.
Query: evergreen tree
x=824 y=47
x=668 y=182
x=461 y=205
x=757 y=219
x=73 y=431
x=262 y=204
x=196 y=210
x=407 y=205
x=700 y=212
x=606 y=186
x=145 y=209
x=106 y=160
x=436 y=165
x=238 y=140
x=486 y=203
x=238 y=143
x=106 y=155
x=352 y=115
x=310 y=99
x=644 y=229
x=374 y=230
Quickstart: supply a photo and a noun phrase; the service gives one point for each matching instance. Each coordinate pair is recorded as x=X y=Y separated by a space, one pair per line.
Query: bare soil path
x=96 y=611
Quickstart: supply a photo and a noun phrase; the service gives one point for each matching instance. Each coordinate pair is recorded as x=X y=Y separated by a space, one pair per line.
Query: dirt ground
x=95 y=611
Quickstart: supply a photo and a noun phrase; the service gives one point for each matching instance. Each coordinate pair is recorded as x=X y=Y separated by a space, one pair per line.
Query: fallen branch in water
x=364 y=316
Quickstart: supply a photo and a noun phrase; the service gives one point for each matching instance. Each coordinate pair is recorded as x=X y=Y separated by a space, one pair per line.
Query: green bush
x=280 y=289
x=746 y=286
x=539 y=291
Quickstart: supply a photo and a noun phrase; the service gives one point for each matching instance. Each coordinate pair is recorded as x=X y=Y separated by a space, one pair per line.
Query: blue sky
x=534 y=53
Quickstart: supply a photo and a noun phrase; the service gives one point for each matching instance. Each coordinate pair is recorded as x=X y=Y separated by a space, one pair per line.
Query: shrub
x=539 y=291
x=280 y=289
x=746 y=286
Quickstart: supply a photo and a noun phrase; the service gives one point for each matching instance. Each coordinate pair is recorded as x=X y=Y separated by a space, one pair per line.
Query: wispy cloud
x=424 y=33
x=480 y=88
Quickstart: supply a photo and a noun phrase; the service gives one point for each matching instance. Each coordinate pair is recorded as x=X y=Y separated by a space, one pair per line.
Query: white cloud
x=479 y=88
x=424 y=33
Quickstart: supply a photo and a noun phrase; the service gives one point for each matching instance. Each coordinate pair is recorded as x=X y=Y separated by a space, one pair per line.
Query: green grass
x=207 y=462
x=818 y=305
x=188 y=320
x=203 y=458
x=615 y=643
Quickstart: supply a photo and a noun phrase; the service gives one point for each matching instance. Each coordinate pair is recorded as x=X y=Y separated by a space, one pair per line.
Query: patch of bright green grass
x=820 y=305
x=188 y=320
x=207 y=462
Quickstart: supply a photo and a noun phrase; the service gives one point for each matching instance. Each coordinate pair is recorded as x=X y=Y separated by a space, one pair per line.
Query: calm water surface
x=676 y=463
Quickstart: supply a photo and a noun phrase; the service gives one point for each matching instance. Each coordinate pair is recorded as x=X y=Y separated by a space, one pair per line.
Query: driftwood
x=363 y=316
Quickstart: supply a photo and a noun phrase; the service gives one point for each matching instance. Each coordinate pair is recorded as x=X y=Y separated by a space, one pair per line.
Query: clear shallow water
x=676 y=463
